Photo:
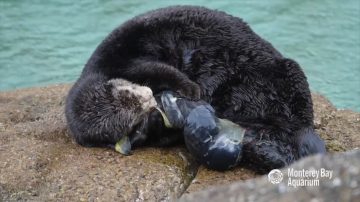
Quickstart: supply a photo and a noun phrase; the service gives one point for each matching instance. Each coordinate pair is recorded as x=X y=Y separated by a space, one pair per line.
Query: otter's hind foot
x=265 y=155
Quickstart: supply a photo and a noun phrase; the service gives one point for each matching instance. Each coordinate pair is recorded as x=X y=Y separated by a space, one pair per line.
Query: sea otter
x=104 y=111
x=210 y=55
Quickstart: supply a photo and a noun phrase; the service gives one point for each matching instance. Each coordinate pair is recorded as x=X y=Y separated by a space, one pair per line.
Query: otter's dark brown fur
x=104 y=111
x=208 y=54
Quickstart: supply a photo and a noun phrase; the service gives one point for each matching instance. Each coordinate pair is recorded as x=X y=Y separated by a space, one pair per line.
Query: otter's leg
x=306 y=139
x=295 y=90
x=263 y=152
x=159 y=76
x=309 y=143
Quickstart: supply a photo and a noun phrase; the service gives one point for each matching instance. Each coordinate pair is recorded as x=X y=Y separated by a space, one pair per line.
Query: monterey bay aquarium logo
x=275 y=176
x=301 y=177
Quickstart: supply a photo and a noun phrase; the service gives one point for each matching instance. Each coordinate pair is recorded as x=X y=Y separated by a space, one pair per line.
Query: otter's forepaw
x=190 y=90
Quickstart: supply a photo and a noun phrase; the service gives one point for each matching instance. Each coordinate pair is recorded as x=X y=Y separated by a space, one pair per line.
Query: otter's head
x=107 y=108
x=129 y=94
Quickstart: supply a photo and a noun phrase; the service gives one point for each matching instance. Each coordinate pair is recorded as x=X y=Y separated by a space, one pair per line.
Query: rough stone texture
x=39 y=162
x=343 y=186
x=207 y=178
x=339 y=128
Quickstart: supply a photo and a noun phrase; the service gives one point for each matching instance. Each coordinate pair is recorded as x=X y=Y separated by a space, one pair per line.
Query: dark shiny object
x=216 y=143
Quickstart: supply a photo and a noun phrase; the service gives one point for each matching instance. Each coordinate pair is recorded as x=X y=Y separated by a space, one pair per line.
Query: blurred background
x=45 y=41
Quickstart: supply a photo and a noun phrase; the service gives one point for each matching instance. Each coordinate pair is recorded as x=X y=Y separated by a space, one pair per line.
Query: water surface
x=45 y=42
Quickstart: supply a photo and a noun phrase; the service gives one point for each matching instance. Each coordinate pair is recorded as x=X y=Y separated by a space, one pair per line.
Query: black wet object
x=215 y=142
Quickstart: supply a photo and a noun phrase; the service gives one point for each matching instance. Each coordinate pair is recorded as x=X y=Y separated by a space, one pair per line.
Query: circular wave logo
x=275 y=176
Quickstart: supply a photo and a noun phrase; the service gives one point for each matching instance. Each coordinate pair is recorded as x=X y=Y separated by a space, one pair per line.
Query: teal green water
x=43 y=42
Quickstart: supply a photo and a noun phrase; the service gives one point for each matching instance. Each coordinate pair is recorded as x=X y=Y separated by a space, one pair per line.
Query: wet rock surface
x=40 y=162
x=342 y=186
